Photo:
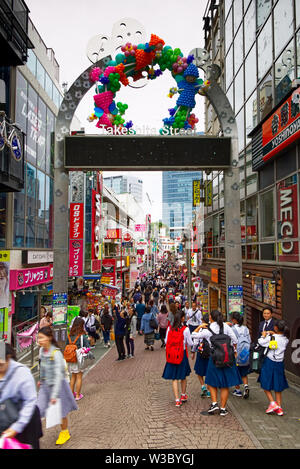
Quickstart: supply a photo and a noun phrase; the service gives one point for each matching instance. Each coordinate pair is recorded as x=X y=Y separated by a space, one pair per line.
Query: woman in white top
x=178 y=372
x=242 y=333
x=272 y=376
x=218 y=378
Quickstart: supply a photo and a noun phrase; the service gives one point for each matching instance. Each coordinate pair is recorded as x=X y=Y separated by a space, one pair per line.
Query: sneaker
x=184 y=397
x=108 y=345
x=213 y=408
x=279 y=411
x=63 y=437
x=178 y=403
x=246 y=392
x=223 y=412
x=204 y=392
x=237 y=393
x=78 y=398
x=151 y=348
x=272 y=407
x=208 y=394
x=129 y=356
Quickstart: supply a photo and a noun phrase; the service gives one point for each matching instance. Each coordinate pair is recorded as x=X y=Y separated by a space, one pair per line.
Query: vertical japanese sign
x=208 y=193
x=76 y=233
x=96 y=254
x=109 y=272
x=196 y=192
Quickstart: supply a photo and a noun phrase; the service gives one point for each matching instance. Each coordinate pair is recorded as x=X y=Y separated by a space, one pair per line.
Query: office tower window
x=250 y=29
x=264 y=49
x=284 y=72
x=263 y=9
x=229 y=67
x=241 y=130
x=239 y=90
x=266 y=101
x=228 y=31
x=238 y=50
x=267 y=212
x=283 y=23
x=251 y=115
x=250 y=72
x=237 y=14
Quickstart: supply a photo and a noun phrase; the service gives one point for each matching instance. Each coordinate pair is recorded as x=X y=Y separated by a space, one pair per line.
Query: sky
x=67 y=27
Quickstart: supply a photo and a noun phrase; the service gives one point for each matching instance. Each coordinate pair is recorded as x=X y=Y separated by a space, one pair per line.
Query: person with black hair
x=17 y=385
x=272 y=376
x=202 y=359
x=77 y=331
x=53 y=384
x=218 y=377
x=242 y=333
x=177 y=336
x=268 y=323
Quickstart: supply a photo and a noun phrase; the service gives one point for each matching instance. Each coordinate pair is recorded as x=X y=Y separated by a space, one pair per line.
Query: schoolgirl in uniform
x=218 y=378
x=179 y=372
x=272 y=376
x=201 y=363
x=240 y=330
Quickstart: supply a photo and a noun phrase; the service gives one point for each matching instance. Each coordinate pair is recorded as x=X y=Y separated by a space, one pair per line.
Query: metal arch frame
x=227 y=120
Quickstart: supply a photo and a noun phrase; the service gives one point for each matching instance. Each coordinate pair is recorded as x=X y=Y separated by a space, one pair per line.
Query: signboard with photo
x=4 y=278
x=235 y=299
x=257 y=288
x=269 y=292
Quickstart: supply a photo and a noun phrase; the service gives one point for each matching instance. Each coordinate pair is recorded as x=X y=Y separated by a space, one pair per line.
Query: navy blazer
x=270 y=327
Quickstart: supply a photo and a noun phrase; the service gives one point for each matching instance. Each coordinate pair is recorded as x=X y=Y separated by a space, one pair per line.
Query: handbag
x=9 y=410
x=84 y=356
x=153 y=323
x=157 y=336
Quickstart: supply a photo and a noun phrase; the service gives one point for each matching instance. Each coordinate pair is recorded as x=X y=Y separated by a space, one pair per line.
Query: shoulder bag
x=9 y=410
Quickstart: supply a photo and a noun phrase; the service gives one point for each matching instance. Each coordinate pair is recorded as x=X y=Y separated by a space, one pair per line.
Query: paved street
x=127 y=405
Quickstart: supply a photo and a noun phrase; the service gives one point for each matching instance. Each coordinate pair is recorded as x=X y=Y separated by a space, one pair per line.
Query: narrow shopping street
x=127 y=405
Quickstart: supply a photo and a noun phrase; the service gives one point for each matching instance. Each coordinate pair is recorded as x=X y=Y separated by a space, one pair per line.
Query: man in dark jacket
x=268 y=323
x=106 y=323
x=120 y=331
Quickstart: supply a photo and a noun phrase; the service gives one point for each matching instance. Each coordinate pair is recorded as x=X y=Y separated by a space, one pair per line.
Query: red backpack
x=174 y=346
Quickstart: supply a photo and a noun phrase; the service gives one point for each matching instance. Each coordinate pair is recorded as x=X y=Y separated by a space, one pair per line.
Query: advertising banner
x=269 y=292
x=257 y=288
x=4 y=278
x=235 y=299
x=140 y=228
x=196 y=193
x=76 y=248
x=60 y=308
x=287 y=217
x=208 y=193
x=133 y=276
x=96 y=254
x=109 y=272
x=25 y=278
x=76 y=221
x=282 y=128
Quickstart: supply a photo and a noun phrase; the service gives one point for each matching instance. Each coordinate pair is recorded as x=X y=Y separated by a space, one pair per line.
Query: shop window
x=242 y=175
x=56 y=97
x=2 y=219
x=31 y=61
x=222 y=228
x=40 y=74
x=250 y=72
x=263 y=9
x=251 y=177
x=49 y=86
x=264 y=46
x=32 y=125
x=19 y=219
x=283 y=23
x=250 y=30
x=252 y=220
x=284 y=73
x=266 y=96
x=266 y=176
x=21 y=102
x=50 y=142
x=243 y=221
x=267 y=214
x=216 y=230
x=286 y=164
x=252 y=252
x=268 y=252
x=244 y=253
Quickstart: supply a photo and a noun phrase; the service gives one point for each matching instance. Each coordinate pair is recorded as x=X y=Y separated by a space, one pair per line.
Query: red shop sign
x=24 y=278
x=288 y=222
x=76 y=221
x=96 y=226
x=114 y=234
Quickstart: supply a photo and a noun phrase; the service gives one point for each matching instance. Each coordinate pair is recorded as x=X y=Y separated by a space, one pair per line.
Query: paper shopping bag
x=53 y=414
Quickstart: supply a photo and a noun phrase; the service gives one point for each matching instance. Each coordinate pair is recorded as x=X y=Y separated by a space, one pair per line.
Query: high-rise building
x=177 y=198
x=257 y=45
x=126 y=185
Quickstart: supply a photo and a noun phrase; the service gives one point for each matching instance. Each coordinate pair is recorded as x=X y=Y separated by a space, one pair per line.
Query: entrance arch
x=226 y=117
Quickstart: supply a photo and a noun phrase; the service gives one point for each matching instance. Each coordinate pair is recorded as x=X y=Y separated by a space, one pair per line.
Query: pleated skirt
x=201 y=365
x=222 y=377
x=272 y=376
x=179 y=372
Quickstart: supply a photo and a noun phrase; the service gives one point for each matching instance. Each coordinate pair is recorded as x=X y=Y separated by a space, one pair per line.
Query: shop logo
x=20 y=279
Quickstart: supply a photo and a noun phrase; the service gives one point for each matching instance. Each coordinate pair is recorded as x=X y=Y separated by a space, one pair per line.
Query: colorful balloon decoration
x=152 y=58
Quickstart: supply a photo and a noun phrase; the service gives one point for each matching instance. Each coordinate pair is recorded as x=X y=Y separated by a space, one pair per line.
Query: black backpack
x=204 y=349
x=222 y=352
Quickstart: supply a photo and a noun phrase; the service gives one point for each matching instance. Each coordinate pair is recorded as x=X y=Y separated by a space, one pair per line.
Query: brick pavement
x=127 y=405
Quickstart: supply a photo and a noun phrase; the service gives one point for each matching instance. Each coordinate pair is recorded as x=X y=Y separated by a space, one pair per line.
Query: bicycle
x=10 y=138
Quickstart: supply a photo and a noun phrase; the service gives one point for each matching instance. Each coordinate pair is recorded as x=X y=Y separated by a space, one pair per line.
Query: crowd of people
x=158 y=309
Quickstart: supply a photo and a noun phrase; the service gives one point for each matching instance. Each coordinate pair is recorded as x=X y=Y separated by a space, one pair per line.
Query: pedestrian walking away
x=120 y=331
x=163 y=323
x=272 y=375
x=221 y=374
x=130 y=332
x=202 y=349
x=18 y=392
x=147 y=328
x=177 y=367
x=52 y=383
x=243 y=352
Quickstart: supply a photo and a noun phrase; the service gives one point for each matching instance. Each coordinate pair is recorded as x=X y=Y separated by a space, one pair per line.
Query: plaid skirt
x=68 y=402
x=149 y=339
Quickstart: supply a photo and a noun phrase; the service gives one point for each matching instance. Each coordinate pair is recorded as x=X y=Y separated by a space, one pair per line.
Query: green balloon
x=120 y=58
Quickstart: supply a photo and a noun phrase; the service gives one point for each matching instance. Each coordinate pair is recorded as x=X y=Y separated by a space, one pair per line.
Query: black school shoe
x=214 y=408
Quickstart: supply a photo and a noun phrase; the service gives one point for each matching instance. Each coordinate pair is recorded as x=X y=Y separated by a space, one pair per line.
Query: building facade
x=32 y=99
x=126 y=185
x=257 y=45
x=177 y=198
